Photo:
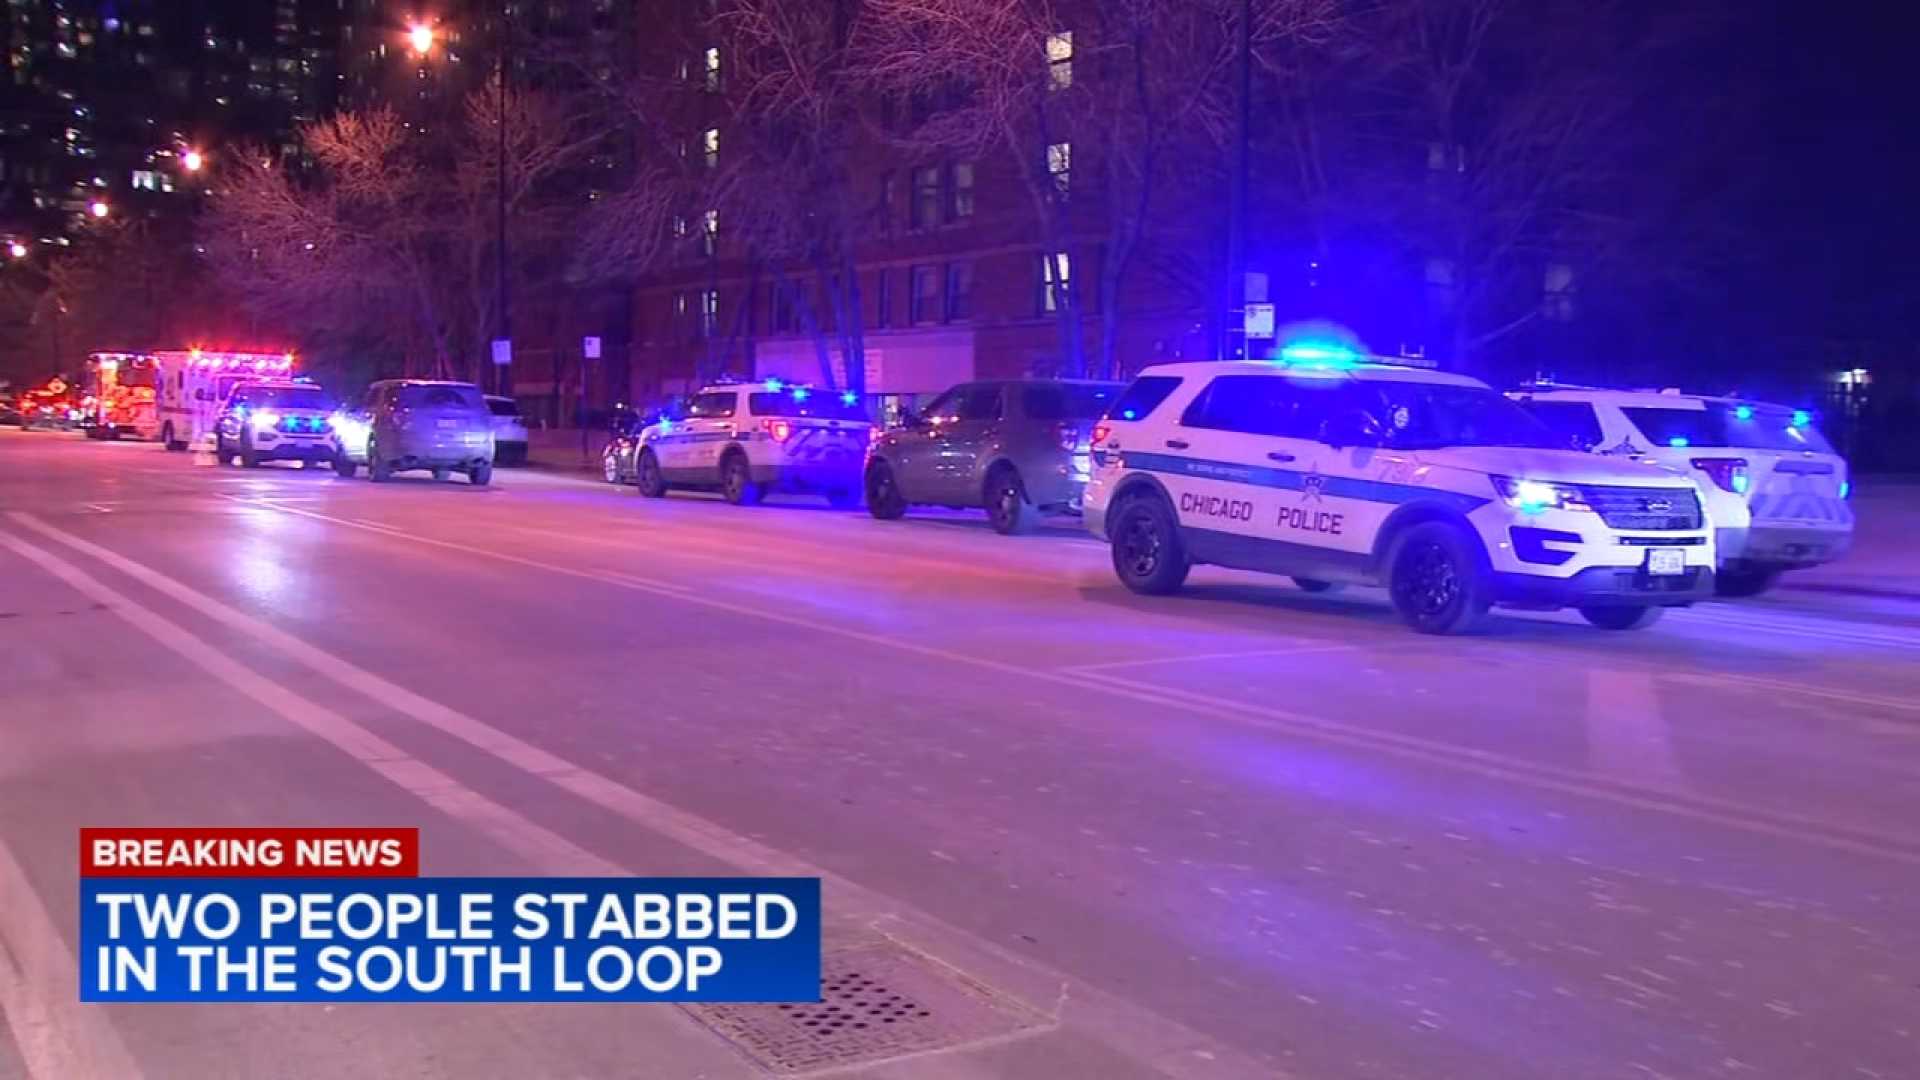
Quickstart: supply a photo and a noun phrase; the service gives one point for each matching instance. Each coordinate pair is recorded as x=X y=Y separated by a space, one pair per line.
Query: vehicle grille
x=303 y=425
x=1656 y=509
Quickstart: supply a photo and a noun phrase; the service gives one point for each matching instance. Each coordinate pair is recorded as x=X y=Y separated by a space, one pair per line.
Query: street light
x=191 y=161
x=99 y=209
x=17 y=249
x=420 y=39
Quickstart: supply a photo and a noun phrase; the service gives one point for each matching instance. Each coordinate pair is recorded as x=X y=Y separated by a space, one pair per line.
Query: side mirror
x=1351 y=428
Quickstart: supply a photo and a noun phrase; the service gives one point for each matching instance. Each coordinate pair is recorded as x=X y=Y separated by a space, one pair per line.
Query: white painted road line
x=58 y=1037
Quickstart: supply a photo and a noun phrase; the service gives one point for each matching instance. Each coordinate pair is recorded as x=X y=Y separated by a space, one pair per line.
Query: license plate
x=449 y=423
x=1666 y=562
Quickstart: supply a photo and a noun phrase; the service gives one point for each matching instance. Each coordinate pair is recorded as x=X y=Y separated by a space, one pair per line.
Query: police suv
x=1334 y=469
x=1776 y=492
x=748 y=438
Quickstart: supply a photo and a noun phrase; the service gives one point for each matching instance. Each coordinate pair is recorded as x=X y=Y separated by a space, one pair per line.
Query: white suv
x=1334 y=470
x=747 y=438
x=1776 y=493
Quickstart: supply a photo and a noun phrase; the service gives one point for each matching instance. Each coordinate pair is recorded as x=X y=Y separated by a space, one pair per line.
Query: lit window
x=713 y=68
x=709 y=312
x=145 y=180
x=711 y=142
x=1060 y=167
x=710 y=232
x=1056 y=276
x=1060 y=60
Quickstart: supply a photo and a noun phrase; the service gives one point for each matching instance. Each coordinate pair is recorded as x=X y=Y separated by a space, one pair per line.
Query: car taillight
x=1100 y=432
x=777 y=430
x=1727 y=473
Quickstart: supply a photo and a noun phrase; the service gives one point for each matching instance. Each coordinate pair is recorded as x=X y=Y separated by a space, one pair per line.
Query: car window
x=1718 y=425
x=1574 y=421
x=434 y=396
x=981 y=401
x=1142 y=396
x=503 y=406
x=819 y=404
x=1270 y=405
x=1067 y=401
x=712 y=406
x=1428 y=416
x=941 y=409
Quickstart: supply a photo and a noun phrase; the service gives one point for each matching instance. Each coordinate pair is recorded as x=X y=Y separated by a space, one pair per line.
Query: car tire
x=1315 y=585
x=647 y=476
x=1439 y=579
x=440 y=475
x=884 y=500
x=1006 y=501
x=610 y=466
x=1621 y=616
x=249 y=457
x=378 y=471
x=221 y=455
x=481 y=475
x=1734 y=584
x=344 y=467
x=1148 y=555
x=172 y=444
x=736 y=480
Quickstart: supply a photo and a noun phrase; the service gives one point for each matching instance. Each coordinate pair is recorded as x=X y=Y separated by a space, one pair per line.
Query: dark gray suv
x=1018 y=447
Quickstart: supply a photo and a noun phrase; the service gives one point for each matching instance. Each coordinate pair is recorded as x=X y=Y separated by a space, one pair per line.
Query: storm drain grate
x=878 y=1002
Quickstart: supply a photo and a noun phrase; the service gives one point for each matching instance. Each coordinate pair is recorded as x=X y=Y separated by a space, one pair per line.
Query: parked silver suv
x=417 y=424
x=1017 y=447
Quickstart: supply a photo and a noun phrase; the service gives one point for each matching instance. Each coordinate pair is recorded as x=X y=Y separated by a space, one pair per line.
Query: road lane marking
x=1123 y=1026
x=1303 y=650
x=1696 y=806
x=1756 y=682
x=1626 y=734
x=59 y=1038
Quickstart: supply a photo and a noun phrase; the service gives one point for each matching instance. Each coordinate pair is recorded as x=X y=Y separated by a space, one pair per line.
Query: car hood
x=1558 y=466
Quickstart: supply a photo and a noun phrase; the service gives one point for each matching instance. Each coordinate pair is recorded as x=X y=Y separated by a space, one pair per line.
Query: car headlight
x=263 y=419
x=1533 y=496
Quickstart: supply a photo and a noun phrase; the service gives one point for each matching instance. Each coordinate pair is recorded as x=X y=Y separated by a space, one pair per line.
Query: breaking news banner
x=340 y=915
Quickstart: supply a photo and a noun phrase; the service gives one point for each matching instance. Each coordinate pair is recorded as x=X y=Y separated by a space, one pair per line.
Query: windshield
x=1067 y=401
x=1719 y=425
x=435 y=396
x=281 y=397
x=819 y=405
x=1428 y=416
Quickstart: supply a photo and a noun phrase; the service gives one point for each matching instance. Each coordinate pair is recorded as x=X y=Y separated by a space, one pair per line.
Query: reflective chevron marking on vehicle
x=1339 y=487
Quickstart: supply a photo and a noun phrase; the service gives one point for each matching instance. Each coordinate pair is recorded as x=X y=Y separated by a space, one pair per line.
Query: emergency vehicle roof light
x=1316 y=353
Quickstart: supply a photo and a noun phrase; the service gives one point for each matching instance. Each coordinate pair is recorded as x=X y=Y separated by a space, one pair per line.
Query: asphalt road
x=1240 y=832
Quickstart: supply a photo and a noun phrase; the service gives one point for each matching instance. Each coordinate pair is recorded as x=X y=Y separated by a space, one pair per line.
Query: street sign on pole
x=502 y=352
x=1259 y=319
x=591 y=347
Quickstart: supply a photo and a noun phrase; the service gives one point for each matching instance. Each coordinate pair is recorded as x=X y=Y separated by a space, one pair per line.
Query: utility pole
x=503 y=373
x=1233 y=329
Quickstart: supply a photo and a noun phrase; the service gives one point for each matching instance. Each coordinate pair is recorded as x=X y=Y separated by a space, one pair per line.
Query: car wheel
x=1315 y=585
x=1621 y=616
x=221 y=455
x=171 y=443
x=736 y=481
x=884 y=500
x=344 y=467
x=648 y=477
x=441 y=475
x=1438 y=581
x=378 y=470
x=481 y=475
x=249 y=457
x=1007 y=505
x=1148 y=555
x=610 y=466
x=1738 y=583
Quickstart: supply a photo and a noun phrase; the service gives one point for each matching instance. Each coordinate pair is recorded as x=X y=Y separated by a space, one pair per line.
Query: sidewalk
x=558 y=450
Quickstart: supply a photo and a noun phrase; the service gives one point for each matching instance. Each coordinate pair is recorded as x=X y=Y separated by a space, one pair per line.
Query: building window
x=959 y=291
x=710 y=233
x=962 y=190
x=923 y=295
x=1056 y=277
x=926 y=197
x=711 y=63
x=889 y=185
x=682 y=326
x=709 y=312
x=782 y=316
x=679 y=226
x=1060 y=60
x=146 y=180
x=710 y=141
x=1060 y=167
x=882 y=298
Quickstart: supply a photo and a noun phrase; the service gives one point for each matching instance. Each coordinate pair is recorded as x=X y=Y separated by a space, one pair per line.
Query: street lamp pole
x=504 y=373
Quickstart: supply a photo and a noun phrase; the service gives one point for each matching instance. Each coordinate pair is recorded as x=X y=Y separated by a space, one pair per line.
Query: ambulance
x=195 y=383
